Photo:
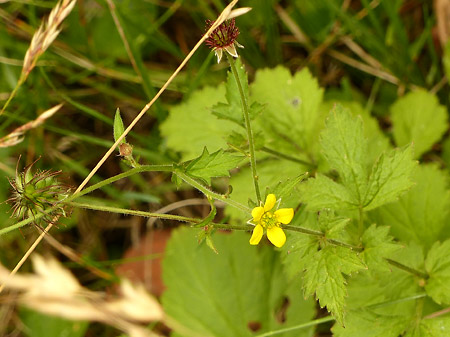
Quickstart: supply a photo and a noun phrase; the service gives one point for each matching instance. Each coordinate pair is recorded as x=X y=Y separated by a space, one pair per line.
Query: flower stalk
x=248 y=127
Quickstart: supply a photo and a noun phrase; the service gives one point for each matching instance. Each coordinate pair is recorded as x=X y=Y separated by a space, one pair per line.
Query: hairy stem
x=206 y=191
x=248 y=127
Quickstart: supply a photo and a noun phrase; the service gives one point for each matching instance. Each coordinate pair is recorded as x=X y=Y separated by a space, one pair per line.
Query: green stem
x=251 y=145
x=298 y=327
x=288 y=157
x=133 y=212
x=406 y=268
x=13 y=93
x=206 y=191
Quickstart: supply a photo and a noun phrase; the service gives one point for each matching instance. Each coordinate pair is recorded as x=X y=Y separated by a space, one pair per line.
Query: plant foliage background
x=348 y=103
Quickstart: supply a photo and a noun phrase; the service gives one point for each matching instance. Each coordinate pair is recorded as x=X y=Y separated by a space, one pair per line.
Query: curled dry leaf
x=53 y=290
x=16 y=136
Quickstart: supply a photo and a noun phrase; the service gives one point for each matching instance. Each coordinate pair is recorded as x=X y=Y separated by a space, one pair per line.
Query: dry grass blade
x=45 y=35
x=16 y=136
x=41 y=40
x=53 y=290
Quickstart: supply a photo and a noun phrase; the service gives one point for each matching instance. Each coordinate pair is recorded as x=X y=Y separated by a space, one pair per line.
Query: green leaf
x=226 y=294
x=364 y=323
x=377 y=142
x=291 y=115
x=377 y=244
x=118 y=127
x=436 y=327
x=437 y=265
x=390 y=177
x=216 y=164
x=324 y=276
x=191 y=126
x=40 y=325
x=344 y=146
x=322 y=192
x=421 y=214
x=419 y=118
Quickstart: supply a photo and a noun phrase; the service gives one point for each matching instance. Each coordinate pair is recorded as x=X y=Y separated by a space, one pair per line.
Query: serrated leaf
x=437 y=265
x=191 y=126
x=216 y=164
x=420 y=214
x=377 y=244
x=390 y=177
x=324 y=276
x=221 y=295
x=322 y=192
x=344 y=146
x=118 y=127
x=419 y=118
x=377 y=142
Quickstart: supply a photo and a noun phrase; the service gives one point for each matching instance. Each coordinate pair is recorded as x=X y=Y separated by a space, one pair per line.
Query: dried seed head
x=33 y=193
x=223 y=36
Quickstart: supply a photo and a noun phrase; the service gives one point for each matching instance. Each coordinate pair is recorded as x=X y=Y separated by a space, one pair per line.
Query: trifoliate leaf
x=118 y=127
x=377 y=244
x=324 y=276
x=321 y=193
x=390 y=177
x=419 y=215
x=226 y=294
x=365 y=323
x=216 y=164
x=291 y=118
x=437 y=265
x=191 y=126
x=419 y=118
x=344 y=146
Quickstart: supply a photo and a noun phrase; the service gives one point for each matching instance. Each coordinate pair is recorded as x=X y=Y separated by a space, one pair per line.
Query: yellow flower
x=265 y=219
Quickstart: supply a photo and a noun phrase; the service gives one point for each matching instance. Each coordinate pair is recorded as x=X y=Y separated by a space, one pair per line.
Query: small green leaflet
x=324 y=276
x=118 y=127
x=419 y=118
x=216 y=164
x=437 y=265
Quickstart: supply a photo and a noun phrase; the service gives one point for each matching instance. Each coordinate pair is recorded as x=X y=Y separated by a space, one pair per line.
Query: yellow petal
x=284 y=215
x=276 y=236
x=270 y=202
x=256 y=235
x=257 y=213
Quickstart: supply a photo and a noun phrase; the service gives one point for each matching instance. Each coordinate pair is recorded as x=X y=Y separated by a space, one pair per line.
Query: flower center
x=268 y=220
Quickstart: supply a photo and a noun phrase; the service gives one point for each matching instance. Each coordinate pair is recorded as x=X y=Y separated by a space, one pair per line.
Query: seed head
x=223 y=38
x=34 y=193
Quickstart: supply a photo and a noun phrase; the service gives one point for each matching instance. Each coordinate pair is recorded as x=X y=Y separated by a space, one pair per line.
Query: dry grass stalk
x=45 y=35
x=53 y=290
x=16 y=136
